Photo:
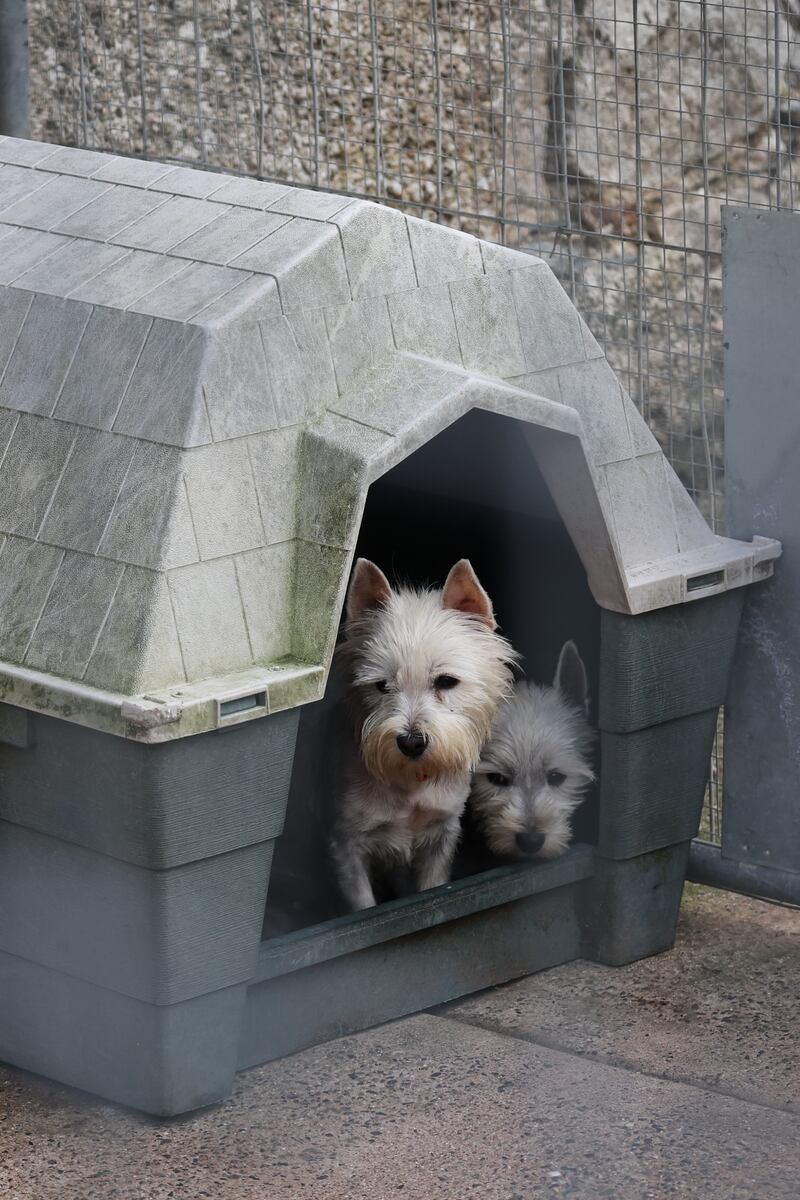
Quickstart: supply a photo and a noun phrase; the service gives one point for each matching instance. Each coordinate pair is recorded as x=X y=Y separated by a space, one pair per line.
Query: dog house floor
x=404 y=955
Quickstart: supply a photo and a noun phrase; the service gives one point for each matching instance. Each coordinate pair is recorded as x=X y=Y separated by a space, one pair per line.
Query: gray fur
x=541 y=730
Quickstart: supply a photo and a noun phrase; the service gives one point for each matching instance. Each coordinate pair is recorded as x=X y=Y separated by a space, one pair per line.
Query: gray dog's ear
x=369 y=588
x=571 y=679
x=463 y=592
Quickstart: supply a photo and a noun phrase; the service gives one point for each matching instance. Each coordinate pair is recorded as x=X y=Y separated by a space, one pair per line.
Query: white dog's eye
x=382 y=685
x=498 y=780
x=443 y=683
x=555 y=778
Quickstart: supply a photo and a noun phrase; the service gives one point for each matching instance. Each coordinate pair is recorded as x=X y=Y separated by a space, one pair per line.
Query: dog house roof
x=200 y=375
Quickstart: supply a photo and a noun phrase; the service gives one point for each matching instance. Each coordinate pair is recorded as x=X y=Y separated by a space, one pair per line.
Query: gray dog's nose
x=412 y=744
x=529 y=843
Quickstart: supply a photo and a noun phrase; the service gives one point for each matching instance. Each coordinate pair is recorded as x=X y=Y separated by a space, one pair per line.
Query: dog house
x=212 y=391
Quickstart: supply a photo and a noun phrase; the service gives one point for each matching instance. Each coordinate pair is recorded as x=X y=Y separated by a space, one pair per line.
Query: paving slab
x=464 y=1103
x=719 y=1011
x=425 y=1108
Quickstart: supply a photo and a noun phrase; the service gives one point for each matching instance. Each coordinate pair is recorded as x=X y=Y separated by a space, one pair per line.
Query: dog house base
x=412 y=954
x=133 y=880
x=161 y=1059
x=337 y=978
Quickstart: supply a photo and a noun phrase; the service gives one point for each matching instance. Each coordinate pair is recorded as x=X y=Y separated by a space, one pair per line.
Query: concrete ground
x=674 y=1077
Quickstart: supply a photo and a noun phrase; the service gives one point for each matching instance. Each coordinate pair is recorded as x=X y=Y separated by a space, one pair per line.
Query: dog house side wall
x=652 y=784
x=162 y=1059
x=663 y=677
x=153 y=806
x=132 y=886
x=630 y=908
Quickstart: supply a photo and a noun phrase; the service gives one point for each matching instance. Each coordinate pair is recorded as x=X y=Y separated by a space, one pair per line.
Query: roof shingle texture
x=199 y=376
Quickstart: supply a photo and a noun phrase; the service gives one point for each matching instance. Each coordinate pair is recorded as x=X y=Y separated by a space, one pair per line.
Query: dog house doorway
x=473 y=491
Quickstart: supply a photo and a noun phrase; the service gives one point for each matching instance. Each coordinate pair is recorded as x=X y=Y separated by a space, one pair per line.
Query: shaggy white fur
x=427 y=673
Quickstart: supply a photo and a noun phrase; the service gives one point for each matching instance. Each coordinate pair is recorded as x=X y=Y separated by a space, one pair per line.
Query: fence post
x=760 y=852
x=15 y=89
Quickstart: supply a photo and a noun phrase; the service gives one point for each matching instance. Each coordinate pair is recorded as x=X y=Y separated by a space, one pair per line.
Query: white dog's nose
x=413 y=744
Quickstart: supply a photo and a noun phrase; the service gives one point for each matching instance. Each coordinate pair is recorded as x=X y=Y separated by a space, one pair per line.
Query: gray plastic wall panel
x=652 y=784
x=162 y=1059
x=631 y=908
x=159 y=936
x=761 y=266
x=155 y=806
x=16 y=727
x=666 y=664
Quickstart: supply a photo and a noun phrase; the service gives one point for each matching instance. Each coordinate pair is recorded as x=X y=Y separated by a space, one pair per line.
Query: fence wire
x=602 y=134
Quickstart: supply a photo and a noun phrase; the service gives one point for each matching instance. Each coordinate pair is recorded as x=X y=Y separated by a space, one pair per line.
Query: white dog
x=427 y=672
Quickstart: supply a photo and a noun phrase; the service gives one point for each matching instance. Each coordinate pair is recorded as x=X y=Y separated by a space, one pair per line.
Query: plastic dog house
x=212 y=389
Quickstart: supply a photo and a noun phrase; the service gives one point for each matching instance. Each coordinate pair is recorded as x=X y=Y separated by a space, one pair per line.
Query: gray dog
x=536 y=765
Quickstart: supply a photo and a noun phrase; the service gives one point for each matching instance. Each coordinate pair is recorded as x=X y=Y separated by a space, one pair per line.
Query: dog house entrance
x=473 y=491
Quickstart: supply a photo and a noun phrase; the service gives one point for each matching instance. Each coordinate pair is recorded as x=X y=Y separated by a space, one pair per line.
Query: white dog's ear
x=463 y=592
x=369 y=588
x=571 y=679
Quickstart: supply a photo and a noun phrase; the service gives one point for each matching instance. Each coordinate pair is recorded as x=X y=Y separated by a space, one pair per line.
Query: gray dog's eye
x=498 y=780
x=443 y=683
x=555 y=778
x=382 y=685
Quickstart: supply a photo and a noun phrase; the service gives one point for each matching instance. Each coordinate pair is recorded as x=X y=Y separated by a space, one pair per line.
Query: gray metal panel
x=761 y=268
x=15 y=89
x=707 y=864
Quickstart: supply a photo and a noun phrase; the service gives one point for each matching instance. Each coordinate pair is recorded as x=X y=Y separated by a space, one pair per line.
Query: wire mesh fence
x=602 y=134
